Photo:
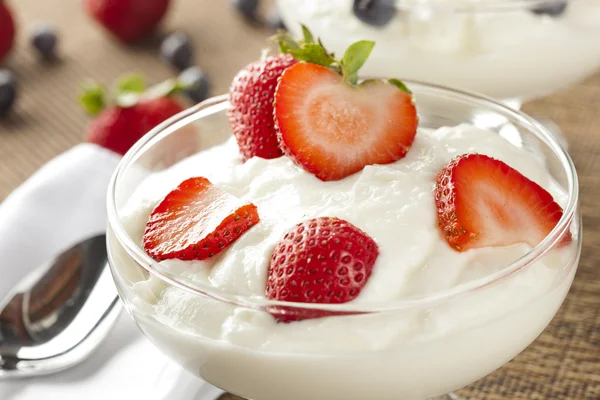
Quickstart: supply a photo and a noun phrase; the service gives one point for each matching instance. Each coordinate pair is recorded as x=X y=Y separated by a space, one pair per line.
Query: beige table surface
x=564 y=363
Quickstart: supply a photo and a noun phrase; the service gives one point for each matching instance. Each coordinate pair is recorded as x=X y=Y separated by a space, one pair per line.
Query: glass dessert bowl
x=455 y=320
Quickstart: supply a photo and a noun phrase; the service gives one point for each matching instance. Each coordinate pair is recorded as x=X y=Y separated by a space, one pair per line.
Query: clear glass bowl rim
x=476 y=5
x=569 y=213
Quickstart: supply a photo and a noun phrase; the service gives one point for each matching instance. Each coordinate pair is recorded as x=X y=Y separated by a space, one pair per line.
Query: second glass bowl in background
x=511 y=50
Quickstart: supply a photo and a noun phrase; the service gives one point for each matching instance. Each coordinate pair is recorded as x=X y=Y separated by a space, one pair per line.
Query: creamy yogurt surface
x=392 y=203
x=407 y=353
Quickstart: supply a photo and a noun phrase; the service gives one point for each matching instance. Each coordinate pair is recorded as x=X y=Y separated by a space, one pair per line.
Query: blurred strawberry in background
x=7 y=30
x=132 y=113
x=128 y=20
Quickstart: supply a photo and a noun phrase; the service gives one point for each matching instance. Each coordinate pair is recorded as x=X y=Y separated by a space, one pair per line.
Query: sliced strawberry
x=196 y=221
x=333 y=129
x=322 y=260
x=484 y=202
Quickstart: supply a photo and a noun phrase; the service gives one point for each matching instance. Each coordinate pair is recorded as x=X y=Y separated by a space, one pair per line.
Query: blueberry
x=374 y=12
x=44 y=40
x=196 y=84
x=177 y=50
x=553 y=8
x=274 y=21
x=247 y=8
x=8 y=91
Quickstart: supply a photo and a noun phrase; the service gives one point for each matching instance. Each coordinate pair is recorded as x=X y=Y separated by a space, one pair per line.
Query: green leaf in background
x=164 y=89
x=93 y=98
x=400 y=85
x=131 y=84
x=354 y=58
x=308 y=37
x=313 y=53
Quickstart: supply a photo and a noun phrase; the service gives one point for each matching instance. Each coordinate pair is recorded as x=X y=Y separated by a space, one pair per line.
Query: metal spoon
x=59 y=313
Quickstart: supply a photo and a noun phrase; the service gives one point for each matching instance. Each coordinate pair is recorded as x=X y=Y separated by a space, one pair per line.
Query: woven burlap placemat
x=564 y=363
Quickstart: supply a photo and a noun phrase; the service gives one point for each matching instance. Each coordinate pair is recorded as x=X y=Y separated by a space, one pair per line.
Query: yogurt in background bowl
x=508 y=53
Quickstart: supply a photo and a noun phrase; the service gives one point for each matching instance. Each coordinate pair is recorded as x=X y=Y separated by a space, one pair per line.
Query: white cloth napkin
x=61 y=204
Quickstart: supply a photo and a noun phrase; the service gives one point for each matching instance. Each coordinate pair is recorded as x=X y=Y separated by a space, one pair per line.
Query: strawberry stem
x=308 y=37
x=93 y=98
x=127 y=92
x=130 y=84
x=400 y=85
x=354 y=58
x=307 y=50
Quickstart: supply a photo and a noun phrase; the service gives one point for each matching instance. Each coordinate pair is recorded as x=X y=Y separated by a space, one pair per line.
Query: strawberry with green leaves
x=331 y=124
x=134 y=112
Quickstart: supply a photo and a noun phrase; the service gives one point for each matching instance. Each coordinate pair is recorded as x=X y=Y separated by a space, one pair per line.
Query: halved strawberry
x=333 y=127
x=484 y=202
x=322 y=260
x=196 y=221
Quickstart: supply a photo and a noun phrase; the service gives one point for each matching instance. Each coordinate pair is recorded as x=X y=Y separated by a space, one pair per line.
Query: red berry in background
x=119 y=126
x=7 y=30
x=322 y=260
x=251 y=113
x=128 y=20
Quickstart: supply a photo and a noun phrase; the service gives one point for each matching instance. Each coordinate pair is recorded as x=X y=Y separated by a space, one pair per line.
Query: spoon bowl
x=57 y=315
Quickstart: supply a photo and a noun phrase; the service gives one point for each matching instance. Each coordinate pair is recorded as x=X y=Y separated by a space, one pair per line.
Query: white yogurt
x=508 y=55
x=408 y=354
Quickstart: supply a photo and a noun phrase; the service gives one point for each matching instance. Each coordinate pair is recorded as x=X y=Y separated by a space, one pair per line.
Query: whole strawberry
x=251 y=112
x=322 y=260
x=7 y=30
x=119 y=126
x=128 y=20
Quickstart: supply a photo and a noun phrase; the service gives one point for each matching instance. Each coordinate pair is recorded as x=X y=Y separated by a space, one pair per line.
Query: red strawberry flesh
x=323 y=260
x=196 y=221
x=333 y=129
x=484 y=202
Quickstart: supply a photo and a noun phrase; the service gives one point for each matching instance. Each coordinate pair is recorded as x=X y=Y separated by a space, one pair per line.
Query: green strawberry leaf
x=400 y=85
x=164 y=89
x=354 y=58
x=285 y=42
x=135 y=84
x=313 y=53
x=93 y=98
x=308 y=37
